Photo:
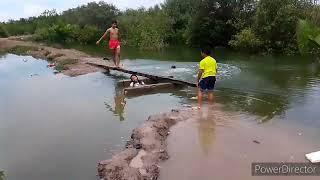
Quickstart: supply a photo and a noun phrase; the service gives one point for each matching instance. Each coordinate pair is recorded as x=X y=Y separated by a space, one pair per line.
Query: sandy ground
x=55 y=55
x=221 y=145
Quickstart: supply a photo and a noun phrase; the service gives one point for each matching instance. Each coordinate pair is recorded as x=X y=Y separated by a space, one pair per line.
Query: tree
x=96 y=14
x=276 y=21
x=181 y=13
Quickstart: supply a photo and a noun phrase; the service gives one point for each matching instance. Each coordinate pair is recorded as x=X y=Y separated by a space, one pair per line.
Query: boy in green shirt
x=207 y=76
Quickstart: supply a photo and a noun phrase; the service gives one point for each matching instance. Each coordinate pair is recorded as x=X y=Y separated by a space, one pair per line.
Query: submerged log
x=133 y=91
x=157 y=79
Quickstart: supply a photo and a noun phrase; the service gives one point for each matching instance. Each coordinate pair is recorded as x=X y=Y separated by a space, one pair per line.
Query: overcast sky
x=15 y=9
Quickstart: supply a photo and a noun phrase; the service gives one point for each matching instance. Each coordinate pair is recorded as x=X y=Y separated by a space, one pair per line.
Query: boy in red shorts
x=114 y=43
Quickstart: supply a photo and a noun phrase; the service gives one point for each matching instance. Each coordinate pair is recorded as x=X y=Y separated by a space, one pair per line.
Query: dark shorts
x=207 y=84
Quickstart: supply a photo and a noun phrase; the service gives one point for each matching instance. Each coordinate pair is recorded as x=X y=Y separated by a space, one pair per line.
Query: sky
x=16 y=9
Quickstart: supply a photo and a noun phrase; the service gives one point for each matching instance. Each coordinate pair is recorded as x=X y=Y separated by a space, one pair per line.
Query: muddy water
x=55 y=127
x=272 y=100
x=222 y=145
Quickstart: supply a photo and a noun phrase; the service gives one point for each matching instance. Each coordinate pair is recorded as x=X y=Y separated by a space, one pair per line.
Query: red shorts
x=114 y=44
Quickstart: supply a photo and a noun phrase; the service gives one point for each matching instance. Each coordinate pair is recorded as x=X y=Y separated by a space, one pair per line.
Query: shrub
x=145 y=29
x=247 y=41
x=3 y=32
x=308 y=37
x=64 y=64
x=22 y=50
x=59 y=32
x=87 y=34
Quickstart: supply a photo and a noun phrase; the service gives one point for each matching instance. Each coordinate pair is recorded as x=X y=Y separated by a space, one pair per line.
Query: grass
x=64 y=65
x=22 y=50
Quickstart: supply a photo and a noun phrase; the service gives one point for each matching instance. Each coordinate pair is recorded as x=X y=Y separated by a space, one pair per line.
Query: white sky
x=15 y=9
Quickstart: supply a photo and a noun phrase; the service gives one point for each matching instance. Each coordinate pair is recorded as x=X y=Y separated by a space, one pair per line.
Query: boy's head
x=134 y=78
x=114 y=24
x=206 y=51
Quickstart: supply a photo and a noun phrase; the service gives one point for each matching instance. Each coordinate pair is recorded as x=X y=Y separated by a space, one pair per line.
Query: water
x=57 y=127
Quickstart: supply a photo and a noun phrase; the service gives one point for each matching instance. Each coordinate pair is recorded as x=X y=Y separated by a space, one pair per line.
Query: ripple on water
x=186 y=71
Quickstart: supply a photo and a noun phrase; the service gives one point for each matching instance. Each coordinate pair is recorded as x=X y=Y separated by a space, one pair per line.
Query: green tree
x=146 y=29
x=3 y=32
x=181 y=13
x=276 y=21
x=95 y=14
x=246 y=41
x=308 y=37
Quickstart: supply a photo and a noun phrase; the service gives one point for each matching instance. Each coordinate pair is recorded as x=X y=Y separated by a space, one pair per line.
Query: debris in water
x=34 y=75
x=257 y=142
x=194 y=98
x=25 y=60
x=174 y=110
x=187 y=105
x=314 y=157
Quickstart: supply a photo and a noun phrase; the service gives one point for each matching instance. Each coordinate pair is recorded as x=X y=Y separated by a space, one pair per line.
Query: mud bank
x=145 y=150
x=70 y=61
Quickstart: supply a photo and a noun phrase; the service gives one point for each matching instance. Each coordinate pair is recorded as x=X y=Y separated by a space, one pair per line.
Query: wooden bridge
x=155 y=80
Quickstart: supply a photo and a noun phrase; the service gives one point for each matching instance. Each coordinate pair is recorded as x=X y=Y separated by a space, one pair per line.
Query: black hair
x=140 y=82
x=115 y=22
x=132 y=75
x=206 y=50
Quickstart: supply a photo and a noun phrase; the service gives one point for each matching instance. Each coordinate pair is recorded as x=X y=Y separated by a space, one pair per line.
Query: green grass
x=64 y=65
x=22 y=50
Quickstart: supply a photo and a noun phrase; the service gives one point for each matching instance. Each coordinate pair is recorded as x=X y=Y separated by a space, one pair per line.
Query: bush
x=22 y=50
x=308 y=37
x=247 y=41
x=86 y=35
x=59 y=32
x=64 y=65
x=145 y=29
x=3 y=32
x=21 y=27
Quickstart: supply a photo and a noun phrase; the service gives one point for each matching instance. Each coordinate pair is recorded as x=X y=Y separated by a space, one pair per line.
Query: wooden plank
x=151 y=88
x=153 y=77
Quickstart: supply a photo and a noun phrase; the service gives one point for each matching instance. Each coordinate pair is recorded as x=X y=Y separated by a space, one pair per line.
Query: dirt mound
x=145 y=150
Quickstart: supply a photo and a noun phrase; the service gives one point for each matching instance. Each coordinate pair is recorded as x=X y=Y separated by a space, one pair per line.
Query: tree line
x=255 y=26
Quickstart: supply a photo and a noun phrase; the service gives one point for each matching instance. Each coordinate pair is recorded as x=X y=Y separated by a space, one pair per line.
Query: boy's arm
x=199 y=76
x=119 y=36
x=103 y=36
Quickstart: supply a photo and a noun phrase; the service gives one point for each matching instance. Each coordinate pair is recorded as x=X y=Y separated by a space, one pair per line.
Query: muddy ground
x=146 y=149
x=71 y=62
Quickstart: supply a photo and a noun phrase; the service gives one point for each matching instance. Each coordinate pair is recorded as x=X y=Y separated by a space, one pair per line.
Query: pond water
x=56 y=127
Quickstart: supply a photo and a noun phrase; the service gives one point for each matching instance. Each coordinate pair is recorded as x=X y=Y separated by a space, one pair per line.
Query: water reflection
x=206 y=130
x=119 y=104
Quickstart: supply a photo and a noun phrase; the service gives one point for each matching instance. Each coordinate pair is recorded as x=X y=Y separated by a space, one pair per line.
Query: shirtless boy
x=114 y=43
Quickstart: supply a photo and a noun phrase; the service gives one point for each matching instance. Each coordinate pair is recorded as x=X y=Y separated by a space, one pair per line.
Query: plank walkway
x=157 y=79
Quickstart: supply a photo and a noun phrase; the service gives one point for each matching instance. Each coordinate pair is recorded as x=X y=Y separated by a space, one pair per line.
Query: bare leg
x=210 y=97
x=113 y=51
x=199 y=98
x=117 y=57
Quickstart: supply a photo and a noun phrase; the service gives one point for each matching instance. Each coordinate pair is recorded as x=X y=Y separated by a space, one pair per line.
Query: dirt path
x=71 y=62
